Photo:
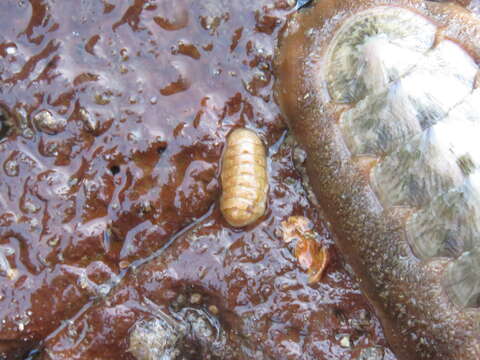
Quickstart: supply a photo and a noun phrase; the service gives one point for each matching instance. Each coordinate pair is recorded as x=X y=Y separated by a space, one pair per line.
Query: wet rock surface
x=117 y=117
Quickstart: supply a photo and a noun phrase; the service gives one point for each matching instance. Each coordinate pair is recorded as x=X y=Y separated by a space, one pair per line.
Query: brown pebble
x=213 y=310
x=181 y=299
x=195 y=298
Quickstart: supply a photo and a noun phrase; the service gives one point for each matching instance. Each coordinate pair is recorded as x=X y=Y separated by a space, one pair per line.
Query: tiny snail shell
x=244 y=178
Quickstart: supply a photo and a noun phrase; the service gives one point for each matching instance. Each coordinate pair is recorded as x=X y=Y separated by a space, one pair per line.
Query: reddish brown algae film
x=114 y=118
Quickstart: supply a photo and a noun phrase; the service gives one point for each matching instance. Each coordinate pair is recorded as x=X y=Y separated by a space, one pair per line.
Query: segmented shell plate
x=244 y=178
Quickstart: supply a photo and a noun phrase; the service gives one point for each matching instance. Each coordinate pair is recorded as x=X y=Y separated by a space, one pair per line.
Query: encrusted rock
x=155 y=339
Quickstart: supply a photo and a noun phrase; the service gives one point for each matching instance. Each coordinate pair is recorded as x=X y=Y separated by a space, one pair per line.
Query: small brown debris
x=311 y=256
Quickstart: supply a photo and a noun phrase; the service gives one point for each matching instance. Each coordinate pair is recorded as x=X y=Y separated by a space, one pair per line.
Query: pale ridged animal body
x=383 y=97
x=244 y=178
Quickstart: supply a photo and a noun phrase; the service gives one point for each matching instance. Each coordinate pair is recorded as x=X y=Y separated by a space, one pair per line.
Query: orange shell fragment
x=310 y=255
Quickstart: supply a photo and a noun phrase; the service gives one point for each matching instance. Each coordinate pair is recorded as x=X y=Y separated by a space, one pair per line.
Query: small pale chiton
x=395 y=82
x=244 y=178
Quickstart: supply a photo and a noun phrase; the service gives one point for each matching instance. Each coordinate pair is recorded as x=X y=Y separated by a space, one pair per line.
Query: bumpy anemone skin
x=419 y=320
